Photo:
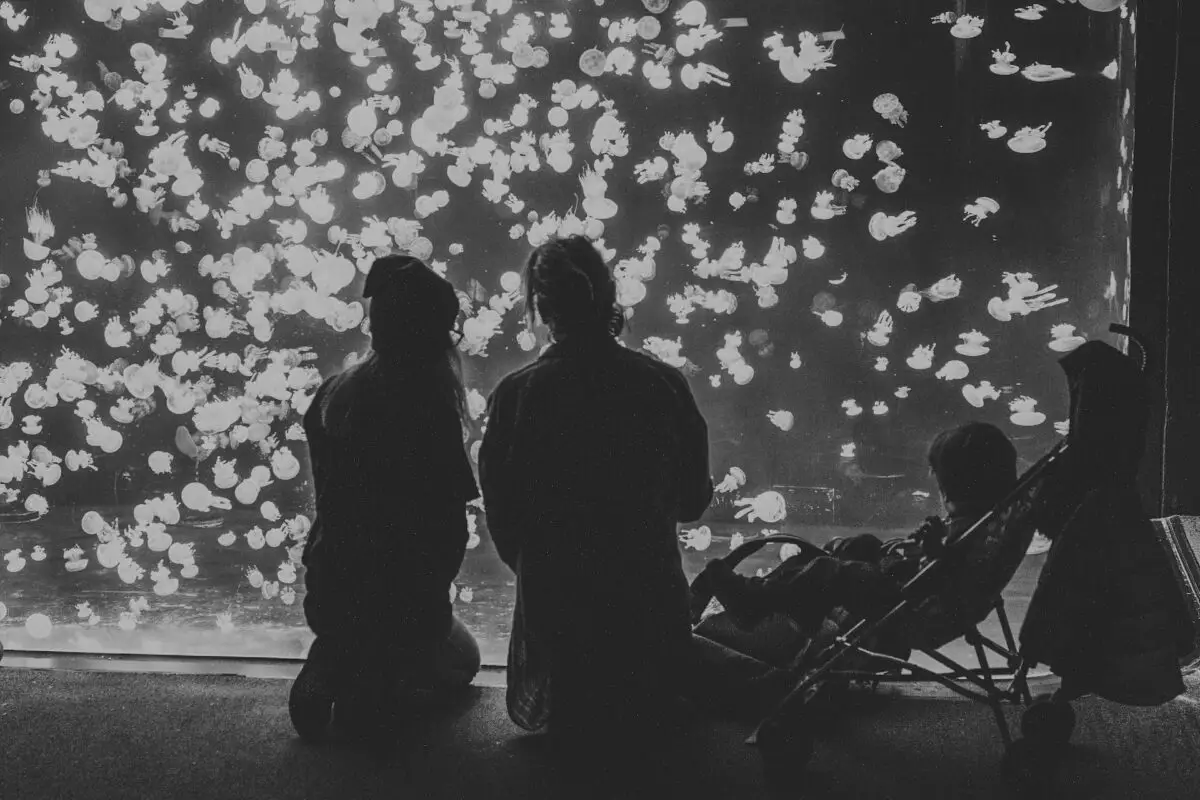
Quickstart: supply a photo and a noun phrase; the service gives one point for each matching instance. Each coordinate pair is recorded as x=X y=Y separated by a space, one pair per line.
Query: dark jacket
x=591 y=456
x=392 y=482
x=1108 y=615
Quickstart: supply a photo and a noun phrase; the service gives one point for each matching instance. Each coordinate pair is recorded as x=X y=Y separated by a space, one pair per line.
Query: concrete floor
x=84 y=735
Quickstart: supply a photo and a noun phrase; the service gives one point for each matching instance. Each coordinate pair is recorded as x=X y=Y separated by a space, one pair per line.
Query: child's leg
x=802 y=593
x=726 y=681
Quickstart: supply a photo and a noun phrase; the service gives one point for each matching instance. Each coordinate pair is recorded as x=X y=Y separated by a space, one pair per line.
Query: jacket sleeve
x=505 y=505
x=694 y=479
x=314 y=430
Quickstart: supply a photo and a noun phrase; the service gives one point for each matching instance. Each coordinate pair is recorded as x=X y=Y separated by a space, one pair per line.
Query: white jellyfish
x=38 y=626
x=697 y=538
x=770 y=507
x=1024 y=412
x=784 y=420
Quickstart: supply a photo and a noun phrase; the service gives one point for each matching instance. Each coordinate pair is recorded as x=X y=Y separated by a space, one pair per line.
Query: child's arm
x=742 y=597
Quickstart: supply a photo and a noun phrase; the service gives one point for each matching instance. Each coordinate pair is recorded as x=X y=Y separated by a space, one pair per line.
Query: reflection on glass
x=853 y=226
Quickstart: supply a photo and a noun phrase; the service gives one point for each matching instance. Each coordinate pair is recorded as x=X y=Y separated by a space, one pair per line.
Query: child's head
x=975 y=466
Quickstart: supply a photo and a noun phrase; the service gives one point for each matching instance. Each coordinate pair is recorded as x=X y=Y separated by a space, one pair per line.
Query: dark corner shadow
x=422 y=728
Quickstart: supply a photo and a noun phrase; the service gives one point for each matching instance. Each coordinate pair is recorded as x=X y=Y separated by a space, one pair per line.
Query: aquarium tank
x=851 y=223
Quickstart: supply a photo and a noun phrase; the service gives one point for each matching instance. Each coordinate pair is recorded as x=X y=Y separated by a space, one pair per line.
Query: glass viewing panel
x=852 y=223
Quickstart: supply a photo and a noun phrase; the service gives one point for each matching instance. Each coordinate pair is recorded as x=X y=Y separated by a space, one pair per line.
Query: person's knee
x=461 y=659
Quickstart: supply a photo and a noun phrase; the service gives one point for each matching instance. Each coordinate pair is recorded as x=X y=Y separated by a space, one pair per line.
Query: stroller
x=947 y=600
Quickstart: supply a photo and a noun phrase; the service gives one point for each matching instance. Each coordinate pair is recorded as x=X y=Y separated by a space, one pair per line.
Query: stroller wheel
x=1048 y=722
x=784 y=751
x=1028 y=768
x=310 y=704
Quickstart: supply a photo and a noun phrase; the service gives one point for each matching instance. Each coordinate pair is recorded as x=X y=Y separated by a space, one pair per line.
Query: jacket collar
x=580 y=344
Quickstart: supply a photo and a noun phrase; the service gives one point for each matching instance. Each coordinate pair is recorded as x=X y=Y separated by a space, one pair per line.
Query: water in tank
x=851 y=223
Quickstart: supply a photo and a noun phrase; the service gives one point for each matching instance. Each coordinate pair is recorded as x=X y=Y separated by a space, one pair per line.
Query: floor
x=82 y=735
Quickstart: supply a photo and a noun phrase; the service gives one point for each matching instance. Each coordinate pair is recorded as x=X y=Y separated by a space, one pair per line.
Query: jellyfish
x=697 y=539
x=1064 y=339
x=769 y=506
x=889 y=178
x=129 y=571
x=981 y=209
x=784 y=420
x=973 y=343
x=967 y=27
x=1024 y=412
x=16 y=562
x=857 y=146
x=1044 y=73
x=813 y=248
x=890 y=108
x=953 y=370
x=593 y=62
x=254 y=577
x=1029 y=140
x=255 y=538
x=922 y=357
x=74 y=559
x=38 y=626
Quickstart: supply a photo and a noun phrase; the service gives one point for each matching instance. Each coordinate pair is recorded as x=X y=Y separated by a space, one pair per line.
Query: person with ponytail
x=590 y=457
x=392 y=479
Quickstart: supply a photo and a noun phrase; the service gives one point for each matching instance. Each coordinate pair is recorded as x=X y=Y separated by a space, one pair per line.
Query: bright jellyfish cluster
x=432 y=118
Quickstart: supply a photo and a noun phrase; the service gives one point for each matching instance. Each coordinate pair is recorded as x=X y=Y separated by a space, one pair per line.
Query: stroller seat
x=953 y=594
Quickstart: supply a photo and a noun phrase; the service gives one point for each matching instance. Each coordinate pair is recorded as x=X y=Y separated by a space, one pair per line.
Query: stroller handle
x=751 y=547
x=1136 y=338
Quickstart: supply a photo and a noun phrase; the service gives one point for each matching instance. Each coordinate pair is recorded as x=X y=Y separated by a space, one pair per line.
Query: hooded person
x=1108 y=615
x=392 y=479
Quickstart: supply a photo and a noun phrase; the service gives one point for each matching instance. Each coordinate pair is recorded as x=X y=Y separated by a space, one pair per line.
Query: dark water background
x=1058 y=220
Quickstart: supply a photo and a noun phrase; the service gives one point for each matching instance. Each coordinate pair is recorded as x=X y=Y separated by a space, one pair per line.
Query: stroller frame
x=1047 y=722
x=988 y=690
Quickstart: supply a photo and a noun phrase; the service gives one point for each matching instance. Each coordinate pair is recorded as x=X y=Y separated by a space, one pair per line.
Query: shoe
x=310 y=703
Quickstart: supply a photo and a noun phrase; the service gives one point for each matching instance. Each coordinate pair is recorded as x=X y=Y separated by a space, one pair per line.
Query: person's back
x=599 y=448
x=378 y=431
x=591 y=456
x=392 y=481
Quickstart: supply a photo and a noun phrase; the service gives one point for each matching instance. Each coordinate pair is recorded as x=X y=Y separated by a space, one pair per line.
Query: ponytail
x=569 y=285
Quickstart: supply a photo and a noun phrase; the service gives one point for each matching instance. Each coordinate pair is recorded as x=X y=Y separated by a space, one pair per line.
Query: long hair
x=570 y=287
x=413 y=320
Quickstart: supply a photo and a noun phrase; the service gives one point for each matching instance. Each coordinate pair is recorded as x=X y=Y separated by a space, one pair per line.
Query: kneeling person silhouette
x=392 y=481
